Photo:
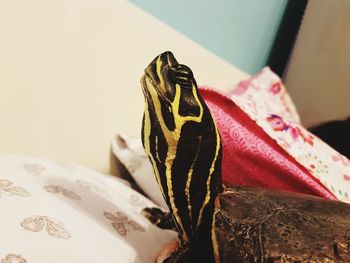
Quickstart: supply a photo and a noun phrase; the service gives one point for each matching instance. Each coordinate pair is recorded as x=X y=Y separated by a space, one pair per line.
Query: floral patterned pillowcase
x=57 y=212
x=265 y=99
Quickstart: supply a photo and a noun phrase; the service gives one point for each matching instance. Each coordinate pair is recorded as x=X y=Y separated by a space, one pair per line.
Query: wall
x=318 y=77
x=70 y=75
x=239 y=31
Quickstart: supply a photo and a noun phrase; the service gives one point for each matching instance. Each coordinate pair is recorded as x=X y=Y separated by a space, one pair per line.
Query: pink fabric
x=251 y=157
x=265 y=100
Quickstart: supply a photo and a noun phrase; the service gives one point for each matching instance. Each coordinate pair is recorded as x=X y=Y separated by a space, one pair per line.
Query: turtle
x=217 y=222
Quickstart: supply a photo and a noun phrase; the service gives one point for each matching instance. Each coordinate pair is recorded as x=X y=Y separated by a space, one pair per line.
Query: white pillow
x=131 y=154
x=56 y=212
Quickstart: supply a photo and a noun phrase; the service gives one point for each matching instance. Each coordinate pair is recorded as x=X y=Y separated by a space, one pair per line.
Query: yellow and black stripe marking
x=182 y=142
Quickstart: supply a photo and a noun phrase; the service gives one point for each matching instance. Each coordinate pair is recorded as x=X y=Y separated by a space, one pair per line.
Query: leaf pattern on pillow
x=56 y=189
x=53 y=228
x=122 y=223
x=34 y=169
x=89 y=186
x=12 y=258
x=6 y=187
x=34 y=223
x=56 y=229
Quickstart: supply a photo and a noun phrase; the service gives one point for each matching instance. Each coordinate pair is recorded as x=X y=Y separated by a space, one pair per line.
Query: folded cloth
x=265 y=145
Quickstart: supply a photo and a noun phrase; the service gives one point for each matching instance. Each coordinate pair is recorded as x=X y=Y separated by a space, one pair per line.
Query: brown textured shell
x=253 y=225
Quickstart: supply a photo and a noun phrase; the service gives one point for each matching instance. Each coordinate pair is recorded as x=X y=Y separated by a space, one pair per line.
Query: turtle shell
x=253 y=225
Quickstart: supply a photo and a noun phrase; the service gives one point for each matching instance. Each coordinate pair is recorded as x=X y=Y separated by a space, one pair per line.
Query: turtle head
x=182 y=142
x=175 y=88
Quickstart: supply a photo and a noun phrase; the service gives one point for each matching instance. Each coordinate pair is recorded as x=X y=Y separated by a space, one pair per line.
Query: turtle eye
x=181 y=75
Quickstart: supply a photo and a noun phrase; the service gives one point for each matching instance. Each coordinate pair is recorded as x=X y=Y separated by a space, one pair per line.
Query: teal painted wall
x=239 y=31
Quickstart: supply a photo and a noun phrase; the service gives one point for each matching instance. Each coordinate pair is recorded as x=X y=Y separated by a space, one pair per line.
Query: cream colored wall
x=69 y=75
x=319 y=73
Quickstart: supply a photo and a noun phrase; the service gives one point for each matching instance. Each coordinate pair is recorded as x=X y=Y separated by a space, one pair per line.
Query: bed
x=70 y=112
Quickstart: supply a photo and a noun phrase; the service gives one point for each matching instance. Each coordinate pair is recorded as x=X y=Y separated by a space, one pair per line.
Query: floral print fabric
x=55 y=212
x=251 y=157
x=320 y=169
